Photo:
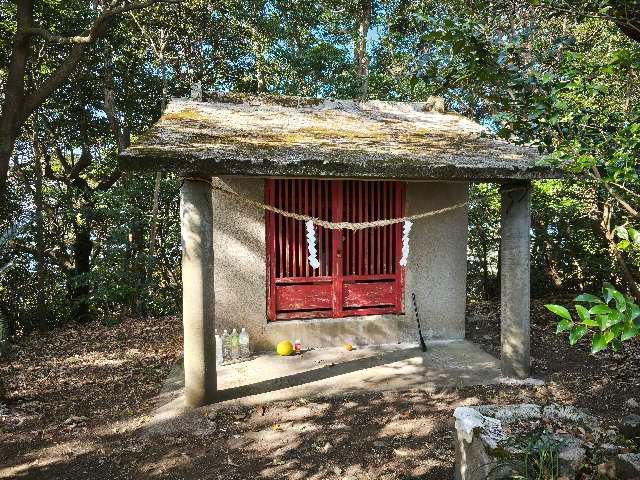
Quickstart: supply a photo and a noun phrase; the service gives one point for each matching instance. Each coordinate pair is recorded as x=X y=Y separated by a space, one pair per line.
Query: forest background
x=81 y=240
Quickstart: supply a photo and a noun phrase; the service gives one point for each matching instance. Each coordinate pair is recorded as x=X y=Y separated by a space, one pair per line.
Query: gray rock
x=610 y=448
x=632 y=403
x=472 y=460
x=511 y=413
x=571 y=457
x=627 y=466
x=630 y=426
x=567 y=413
x=484 y=434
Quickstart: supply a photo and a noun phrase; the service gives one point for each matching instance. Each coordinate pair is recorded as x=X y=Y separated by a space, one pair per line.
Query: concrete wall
x=436 y=272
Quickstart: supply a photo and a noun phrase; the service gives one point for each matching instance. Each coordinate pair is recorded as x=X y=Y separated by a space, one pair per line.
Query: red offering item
x=297 y=346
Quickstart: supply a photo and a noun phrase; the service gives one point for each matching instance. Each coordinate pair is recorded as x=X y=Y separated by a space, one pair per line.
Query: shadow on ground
x=76 y=405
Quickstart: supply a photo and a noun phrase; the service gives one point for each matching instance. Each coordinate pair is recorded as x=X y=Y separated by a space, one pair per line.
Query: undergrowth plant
x=613 y=319
x=539 y=458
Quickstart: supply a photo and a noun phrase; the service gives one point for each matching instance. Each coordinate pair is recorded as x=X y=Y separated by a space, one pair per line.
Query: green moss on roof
x=272 y=99
x=271 y=136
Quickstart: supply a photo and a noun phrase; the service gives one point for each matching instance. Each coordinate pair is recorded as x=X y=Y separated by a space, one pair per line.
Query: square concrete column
x=515 y=278
x=198 y=302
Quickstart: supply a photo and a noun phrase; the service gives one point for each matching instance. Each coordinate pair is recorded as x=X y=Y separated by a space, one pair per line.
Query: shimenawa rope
x=335 y=225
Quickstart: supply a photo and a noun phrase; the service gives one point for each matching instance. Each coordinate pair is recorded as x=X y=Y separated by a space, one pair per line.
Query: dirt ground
x=75 y=404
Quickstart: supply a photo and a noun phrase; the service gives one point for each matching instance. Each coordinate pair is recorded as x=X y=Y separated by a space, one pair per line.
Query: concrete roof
x=303 y=137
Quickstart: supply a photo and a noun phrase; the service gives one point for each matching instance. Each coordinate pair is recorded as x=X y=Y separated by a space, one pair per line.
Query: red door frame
x=337 y=279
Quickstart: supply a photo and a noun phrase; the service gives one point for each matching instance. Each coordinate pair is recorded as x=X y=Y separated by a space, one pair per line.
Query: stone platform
x=336 y=371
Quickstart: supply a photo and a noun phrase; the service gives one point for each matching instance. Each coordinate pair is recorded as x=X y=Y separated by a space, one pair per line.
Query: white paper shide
x=406 y=228
x=311 y=244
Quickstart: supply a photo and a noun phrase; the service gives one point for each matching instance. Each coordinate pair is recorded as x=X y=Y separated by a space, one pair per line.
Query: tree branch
x=632 y=211
x=92 y=33
x=629 y=27
x=62 y=262
x=622 y=187
x=108 y=182
x=96 y=31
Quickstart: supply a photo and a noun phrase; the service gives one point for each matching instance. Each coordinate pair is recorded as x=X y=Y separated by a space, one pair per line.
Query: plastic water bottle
x=219 y=355
x=226 y=346
x=235 y=344
x=244 y=344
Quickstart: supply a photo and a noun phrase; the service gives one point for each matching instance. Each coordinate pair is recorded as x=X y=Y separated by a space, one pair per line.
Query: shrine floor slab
x=335 y=371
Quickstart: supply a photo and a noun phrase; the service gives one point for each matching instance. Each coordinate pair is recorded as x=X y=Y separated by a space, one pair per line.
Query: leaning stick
x=415 y=309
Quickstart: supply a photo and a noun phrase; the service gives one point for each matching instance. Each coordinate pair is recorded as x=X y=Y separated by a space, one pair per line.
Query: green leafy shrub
x=613 y=319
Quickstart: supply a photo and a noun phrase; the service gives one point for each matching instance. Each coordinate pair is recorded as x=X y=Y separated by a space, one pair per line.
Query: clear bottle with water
x=235 y=345
x=245 y=352
x=219 y=355
x=226 y=346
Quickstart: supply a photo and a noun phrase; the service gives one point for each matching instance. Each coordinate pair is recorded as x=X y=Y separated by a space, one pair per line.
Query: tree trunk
x=14 y=95
x=4 y=333
x=498 y=285
x=154 y=218
x=153 y=227
x=625 y=271
x=138 y=270
x=40 y=246
x=550 y=260
x=362 y=58
x=80 y=287
x=258 y=52
x=485 y=269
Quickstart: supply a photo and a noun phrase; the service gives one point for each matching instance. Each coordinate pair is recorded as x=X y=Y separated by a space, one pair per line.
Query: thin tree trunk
x=625 y=271
x=258 y=51
x=498 y=291
x=138 y=306
x=153 y=227
x=550 y=260
x=485 y=269
x=80 y=288
x=156 y=190
x=40 y=246
x=362 y=57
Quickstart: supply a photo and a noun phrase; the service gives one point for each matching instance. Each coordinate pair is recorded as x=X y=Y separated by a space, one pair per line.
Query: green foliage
x=563 y=83
x=568 y=252
x=558 y=76
x=538 y=459
x=613 y=319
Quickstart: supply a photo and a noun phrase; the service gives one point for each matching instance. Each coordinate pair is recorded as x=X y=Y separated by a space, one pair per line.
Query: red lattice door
x=359 y=272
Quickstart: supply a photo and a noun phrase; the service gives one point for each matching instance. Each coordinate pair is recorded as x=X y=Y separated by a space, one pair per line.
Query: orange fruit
x=349 y=347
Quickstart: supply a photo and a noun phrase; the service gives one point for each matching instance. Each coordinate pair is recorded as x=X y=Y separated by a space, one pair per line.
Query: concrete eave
x=330 y=167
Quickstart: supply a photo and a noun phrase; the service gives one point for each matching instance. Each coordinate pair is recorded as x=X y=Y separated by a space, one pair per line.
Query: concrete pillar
x=198 y=304
x=515 y=278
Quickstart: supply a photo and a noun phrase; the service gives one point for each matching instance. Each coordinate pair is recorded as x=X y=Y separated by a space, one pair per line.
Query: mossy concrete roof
x=302 y=137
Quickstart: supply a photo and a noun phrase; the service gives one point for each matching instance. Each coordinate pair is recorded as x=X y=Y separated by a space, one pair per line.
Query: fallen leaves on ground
x=75 y=402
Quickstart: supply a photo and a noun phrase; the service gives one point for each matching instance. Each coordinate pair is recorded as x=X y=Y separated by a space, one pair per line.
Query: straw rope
x=334 y=225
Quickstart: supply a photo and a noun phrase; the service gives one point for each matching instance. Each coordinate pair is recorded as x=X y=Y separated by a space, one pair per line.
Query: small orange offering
x=349 y=347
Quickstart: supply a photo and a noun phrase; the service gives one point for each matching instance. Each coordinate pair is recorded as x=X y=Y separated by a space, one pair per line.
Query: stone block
x=627 y=466
x=493 y=441
x=630 y=426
